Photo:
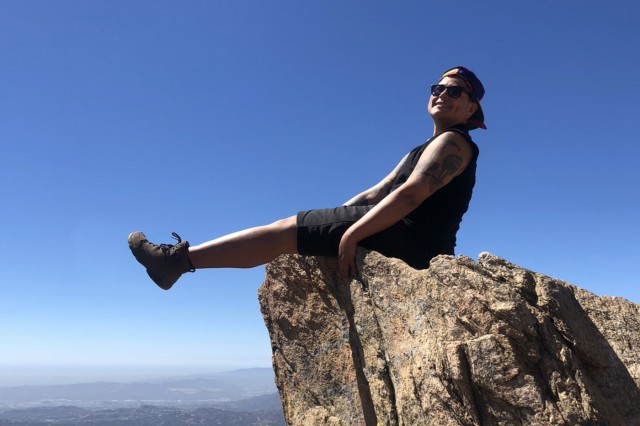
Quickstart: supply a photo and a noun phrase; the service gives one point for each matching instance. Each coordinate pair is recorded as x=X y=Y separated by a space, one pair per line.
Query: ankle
x=188 y=256
x=193 y=258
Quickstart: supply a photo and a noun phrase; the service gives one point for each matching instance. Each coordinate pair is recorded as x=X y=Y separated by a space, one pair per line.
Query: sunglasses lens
x=437 y=89
x=454 y=91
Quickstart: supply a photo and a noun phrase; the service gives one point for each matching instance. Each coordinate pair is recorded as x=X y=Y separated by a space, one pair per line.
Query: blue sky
x=206 y=117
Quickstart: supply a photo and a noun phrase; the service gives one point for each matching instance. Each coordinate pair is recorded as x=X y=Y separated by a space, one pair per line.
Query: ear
x=473 y=107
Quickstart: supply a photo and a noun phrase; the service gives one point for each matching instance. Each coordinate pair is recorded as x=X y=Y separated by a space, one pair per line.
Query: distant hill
x=210 y=389
x=234 y=398
x=139 y=416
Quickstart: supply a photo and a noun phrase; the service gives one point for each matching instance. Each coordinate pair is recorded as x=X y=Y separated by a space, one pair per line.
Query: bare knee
x=287 y=224
x=286 y=230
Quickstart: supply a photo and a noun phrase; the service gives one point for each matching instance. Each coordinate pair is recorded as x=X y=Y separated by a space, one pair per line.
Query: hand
x=347 y=256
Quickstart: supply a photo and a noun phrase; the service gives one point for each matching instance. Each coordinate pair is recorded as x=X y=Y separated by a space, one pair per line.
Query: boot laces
x=166 y=248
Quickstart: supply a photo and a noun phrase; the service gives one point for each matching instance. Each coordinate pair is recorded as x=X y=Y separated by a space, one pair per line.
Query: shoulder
x=457 y=139
x=452 y=140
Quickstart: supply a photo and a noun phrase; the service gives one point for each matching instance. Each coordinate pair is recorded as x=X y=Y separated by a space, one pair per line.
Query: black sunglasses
x=453 y=92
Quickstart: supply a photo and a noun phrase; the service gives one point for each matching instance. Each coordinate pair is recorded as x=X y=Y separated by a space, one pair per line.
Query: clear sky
x=206 y=117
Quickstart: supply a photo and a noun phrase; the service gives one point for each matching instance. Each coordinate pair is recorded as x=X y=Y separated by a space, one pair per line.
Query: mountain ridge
x=212 y=387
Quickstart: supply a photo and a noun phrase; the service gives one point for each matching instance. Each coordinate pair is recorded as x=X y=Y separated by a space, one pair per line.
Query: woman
x=412 y=214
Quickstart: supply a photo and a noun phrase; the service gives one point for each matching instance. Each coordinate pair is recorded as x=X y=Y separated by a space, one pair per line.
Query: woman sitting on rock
x=413 y=214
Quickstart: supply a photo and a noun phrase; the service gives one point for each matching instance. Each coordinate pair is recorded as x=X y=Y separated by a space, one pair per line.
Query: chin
x=440 y=115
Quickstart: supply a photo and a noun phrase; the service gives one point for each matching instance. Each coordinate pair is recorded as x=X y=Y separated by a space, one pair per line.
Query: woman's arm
x=445 y=158
x=376 y=193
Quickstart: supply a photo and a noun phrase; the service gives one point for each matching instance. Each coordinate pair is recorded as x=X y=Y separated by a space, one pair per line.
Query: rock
x=462 y=343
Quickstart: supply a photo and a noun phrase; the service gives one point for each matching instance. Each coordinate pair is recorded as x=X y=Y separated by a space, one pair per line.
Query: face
x=448 y=110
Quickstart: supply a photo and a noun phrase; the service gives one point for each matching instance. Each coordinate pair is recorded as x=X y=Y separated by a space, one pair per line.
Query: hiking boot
x=165 y=263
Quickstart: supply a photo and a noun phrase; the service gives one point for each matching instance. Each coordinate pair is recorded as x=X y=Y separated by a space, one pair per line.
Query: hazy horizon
x=65 y=374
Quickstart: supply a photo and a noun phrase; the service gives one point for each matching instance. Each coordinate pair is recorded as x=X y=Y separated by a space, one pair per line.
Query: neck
x=439 y=127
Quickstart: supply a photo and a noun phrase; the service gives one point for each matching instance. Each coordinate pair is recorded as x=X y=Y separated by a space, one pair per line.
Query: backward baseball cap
x=477 y=119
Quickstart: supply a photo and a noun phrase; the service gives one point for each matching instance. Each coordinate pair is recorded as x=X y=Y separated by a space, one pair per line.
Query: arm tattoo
x=453 y=144
x=386 y=187
x=360 y=200
x=436 y=173
x=380 y=191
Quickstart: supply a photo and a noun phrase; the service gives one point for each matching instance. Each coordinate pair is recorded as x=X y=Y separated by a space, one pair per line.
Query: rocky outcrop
x=462 y=343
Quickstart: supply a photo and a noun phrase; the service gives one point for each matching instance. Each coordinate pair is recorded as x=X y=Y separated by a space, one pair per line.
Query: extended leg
x=252 y=247
x=248 y=248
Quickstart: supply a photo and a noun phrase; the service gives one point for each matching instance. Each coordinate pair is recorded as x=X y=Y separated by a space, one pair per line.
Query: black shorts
x=319 y=233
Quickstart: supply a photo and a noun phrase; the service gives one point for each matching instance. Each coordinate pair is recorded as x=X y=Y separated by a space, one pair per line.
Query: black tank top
x=437 y=220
